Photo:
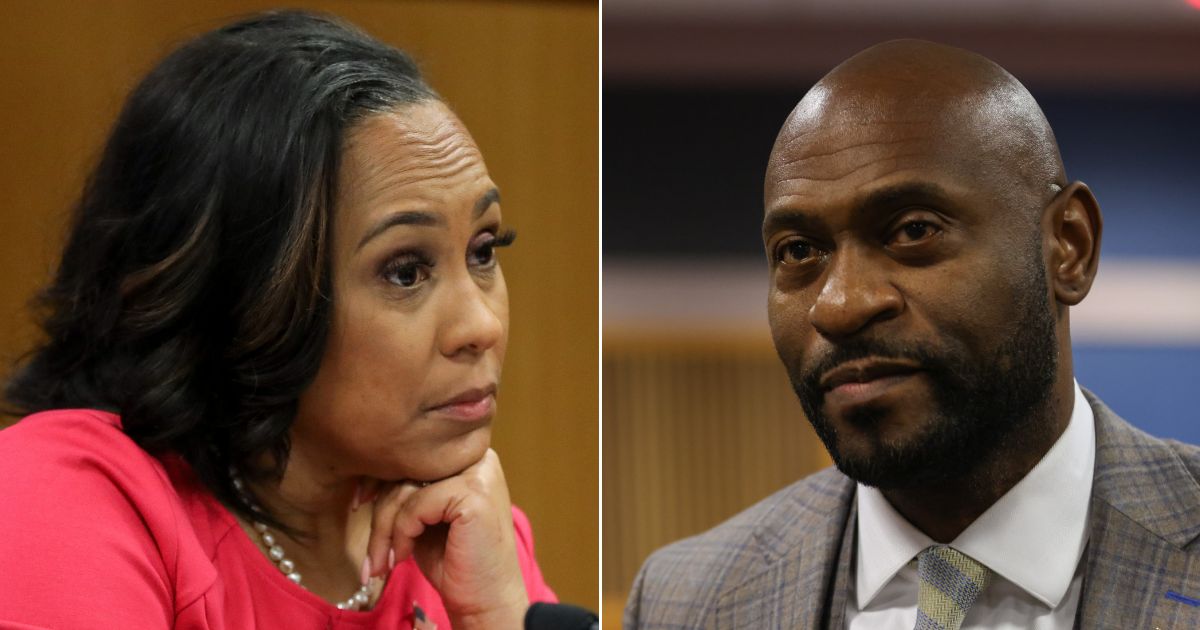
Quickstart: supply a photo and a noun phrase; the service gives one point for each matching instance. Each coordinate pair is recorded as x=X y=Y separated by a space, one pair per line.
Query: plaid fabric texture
x=950 y=583
x=784 y=562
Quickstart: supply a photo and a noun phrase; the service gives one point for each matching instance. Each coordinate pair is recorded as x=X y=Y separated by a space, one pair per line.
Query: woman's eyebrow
x=407 y=217
x=425 y=219
x=490 y=197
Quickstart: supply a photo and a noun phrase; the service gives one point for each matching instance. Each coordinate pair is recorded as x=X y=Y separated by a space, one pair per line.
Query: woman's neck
x=331 y=539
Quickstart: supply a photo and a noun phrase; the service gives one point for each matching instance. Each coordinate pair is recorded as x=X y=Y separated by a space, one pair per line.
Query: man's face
x=908 y=297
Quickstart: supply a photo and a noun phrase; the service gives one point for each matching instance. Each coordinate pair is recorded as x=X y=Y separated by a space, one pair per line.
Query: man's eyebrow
x=408 y=217
x=791 y=218
x=882 y=199
x=888 y=197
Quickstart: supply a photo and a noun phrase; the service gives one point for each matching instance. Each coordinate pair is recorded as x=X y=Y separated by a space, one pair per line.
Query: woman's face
x=406 y=387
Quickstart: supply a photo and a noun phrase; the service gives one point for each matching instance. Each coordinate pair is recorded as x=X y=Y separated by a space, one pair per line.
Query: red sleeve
x=535 y=584
x=82 y=516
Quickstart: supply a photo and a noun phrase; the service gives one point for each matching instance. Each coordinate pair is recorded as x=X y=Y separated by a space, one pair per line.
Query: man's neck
x=944 y=509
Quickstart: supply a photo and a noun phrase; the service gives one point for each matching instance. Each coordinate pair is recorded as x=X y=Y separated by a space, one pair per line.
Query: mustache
x=856 y=349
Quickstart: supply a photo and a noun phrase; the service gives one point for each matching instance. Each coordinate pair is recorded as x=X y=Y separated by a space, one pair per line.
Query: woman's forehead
x=407 y=145
x=417 y=155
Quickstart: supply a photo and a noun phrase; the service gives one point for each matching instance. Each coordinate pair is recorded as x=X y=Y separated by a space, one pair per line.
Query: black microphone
x=543 y=616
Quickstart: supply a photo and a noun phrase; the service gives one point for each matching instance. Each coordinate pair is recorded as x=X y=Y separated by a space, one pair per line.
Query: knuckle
x=476 y=484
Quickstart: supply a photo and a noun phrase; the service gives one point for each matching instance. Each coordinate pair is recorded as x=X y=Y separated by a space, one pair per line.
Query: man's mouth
x=865 y=371
x=855 y=382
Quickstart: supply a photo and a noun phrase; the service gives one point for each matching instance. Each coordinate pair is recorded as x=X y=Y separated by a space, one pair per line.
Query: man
x=925 y=246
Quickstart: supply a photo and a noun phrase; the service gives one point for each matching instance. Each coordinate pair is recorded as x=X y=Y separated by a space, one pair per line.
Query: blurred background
x=521 y=75
x=699 y=421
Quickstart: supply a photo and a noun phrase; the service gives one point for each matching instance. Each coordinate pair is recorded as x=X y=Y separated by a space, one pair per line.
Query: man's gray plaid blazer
x=784 y=563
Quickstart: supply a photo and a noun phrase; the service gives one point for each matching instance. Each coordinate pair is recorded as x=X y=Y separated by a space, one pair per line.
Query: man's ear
x=1074 y=224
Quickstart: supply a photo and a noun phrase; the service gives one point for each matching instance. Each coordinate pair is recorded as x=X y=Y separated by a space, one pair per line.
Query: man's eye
x=914 y=231
x=795 y=251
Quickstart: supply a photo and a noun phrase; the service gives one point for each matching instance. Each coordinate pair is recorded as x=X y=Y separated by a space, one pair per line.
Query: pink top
x=96 y=533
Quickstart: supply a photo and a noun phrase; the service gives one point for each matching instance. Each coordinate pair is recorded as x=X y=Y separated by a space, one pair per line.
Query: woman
x=271 y=359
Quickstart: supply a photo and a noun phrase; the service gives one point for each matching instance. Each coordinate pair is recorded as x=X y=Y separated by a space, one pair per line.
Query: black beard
x=981 y=404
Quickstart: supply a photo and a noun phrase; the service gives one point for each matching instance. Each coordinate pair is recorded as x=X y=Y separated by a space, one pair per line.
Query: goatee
x=979 y=402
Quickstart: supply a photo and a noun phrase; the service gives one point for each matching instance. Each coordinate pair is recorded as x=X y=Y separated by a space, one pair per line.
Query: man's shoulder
x=1188 y=454
x=680 y=581
x=1147 y=479
x=1120 y=445
x=1143 y=525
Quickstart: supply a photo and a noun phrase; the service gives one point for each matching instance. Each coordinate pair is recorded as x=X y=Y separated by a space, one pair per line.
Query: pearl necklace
x=357 y=601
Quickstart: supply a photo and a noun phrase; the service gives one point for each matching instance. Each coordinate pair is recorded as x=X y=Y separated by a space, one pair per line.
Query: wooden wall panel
x=524 y=78
x=695 y=430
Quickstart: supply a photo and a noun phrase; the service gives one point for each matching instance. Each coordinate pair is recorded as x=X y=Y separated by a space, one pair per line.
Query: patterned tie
x=950 y=584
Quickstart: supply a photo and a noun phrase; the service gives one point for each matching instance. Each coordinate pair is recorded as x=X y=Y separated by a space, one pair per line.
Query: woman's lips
x=468 y=410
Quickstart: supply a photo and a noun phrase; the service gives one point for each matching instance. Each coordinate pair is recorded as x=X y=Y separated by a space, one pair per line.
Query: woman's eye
x=795 y=251
x=483 y=251
x=484 y=254
x=407 y=273
x=914 y=231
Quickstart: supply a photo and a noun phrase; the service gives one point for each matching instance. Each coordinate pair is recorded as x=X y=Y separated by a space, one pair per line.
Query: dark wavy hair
x=193 y=294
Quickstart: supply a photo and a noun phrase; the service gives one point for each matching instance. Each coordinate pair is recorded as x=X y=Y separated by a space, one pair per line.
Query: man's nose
x=856 y=293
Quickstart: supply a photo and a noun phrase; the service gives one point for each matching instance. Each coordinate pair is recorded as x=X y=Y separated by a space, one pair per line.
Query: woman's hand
x=460 y=532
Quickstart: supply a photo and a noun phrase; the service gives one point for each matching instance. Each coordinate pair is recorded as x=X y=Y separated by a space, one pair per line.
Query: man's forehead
x=847 y=150
x=867 y=110
x=864 y=137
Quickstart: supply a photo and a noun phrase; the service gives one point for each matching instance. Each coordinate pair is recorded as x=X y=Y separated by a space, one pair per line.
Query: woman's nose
x=475 y=319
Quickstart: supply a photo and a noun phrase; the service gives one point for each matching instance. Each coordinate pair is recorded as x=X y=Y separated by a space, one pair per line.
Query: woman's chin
x=445 y=460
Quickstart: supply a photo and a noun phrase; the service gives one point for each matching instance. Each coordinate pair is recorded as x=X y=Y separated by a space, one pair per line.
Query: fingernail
x=391 y=559
x=357 y=496
x=365 y=576
x=417 y=612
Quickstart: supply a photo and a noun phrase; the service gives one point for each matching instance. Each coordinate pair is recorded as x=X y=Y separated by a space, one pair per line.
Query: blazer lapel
x=835 y=608
x=789 y=585
x=1145 y=511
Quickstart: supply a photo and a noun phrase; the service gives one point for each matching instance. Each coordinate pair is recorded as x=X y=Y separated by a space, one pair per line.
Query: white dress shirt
x=1032 y=539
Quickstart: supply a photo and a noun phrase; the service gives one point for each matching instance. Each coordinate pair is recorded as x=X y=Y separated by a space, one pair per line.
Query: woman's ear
x=1075 y=225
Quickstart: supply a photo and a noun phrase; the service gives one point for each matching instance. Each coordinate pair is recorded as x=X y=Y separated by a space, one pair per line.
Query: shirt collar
x=1033 y=536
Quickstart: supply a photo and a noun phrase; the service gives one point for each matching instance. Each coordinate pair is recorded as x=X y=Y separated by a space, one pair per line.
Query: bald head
x=921 y=65
x=961 y=100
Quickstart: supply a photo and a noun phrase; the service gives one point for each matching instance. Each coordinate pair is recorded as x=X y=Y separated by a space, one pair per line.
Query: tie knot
x=951 y=581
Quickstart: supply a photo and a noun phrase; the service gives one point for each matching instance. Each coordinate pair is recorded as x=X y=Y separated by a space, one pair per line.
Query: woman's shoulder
x=76 y=462
x=82 y=501
x=63 y=427
x=62 y=444
x=63 y=448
